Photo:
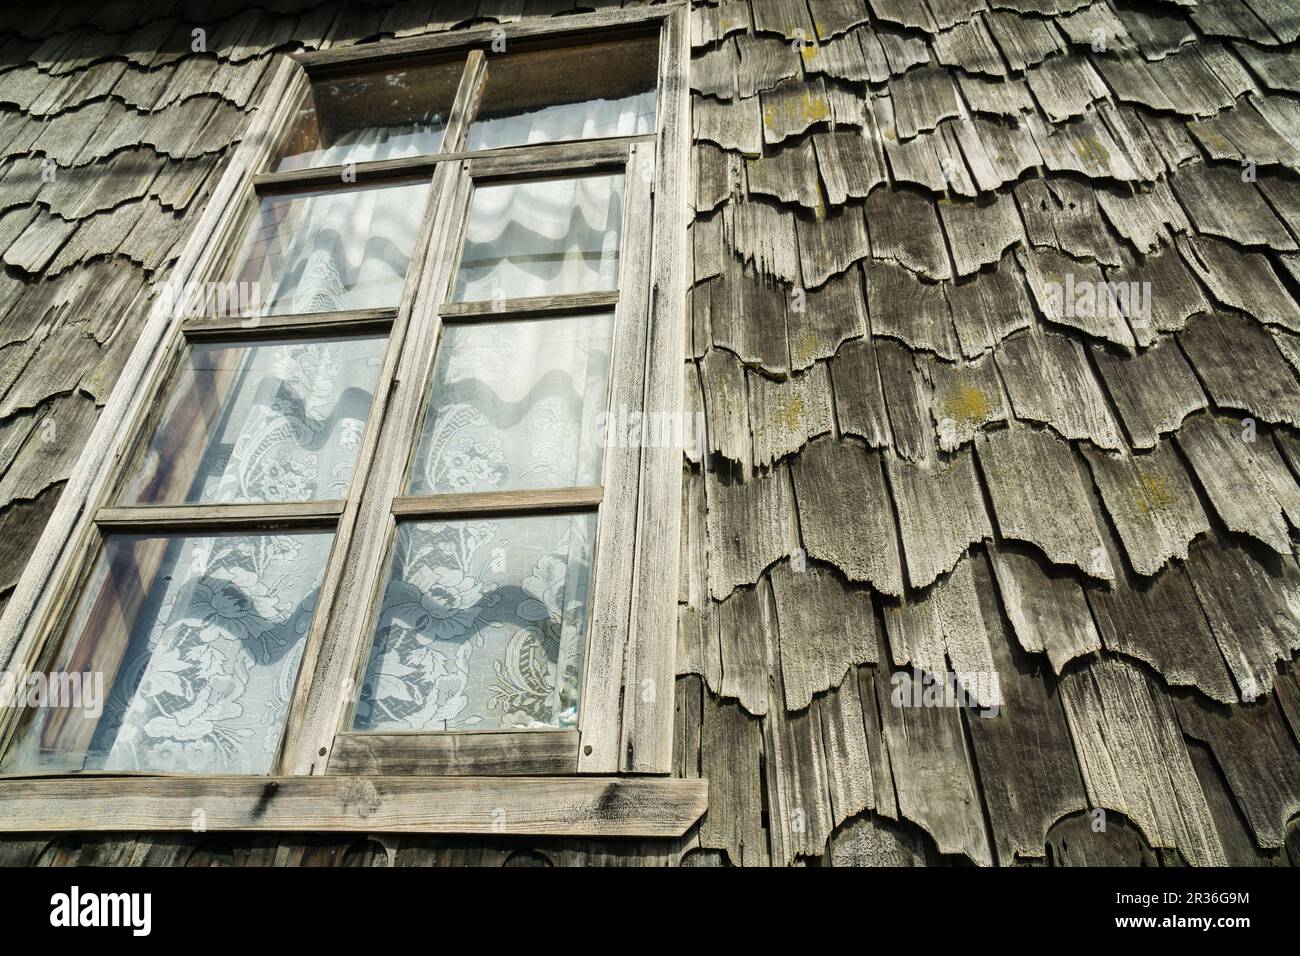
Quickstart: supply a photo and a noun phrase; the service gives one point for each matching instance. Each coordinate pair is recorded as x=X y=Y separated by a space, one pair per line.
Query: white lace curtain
x=343 y=249
x=204 y=665
x=516 y=405
x=542 y=237
x=385 y=142
x=590 y=119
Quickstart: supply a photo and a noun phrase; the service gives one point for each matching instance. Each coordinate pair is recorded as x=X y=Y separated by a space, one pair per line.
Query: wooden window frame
x=631 y=638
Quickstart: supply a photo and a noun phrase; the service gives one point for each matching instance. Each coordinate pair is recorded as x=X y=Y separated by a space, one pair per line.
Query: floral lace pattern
x=283 y=423
x=482 y=626
x=201 y=676
x=516 y=405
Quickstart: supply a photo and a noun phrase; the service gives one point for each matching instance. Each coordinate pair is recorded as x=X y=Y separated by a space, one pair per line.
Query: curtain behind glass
x=542 y=237
x=516 y=405
x=349 y=250
x=198 y=641
x=592 y=119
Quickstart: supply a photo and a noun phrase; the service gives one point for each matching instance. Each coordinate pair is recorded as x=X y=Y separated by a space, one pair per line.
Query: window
x=357 y=512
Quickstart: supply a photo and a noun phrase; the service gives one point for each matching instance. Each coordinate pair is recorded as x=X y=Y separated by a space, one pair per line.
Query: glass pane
x=482 y=626
x=542 y=237
x=604 y=89
x=280 y=421
x=329 y=251
x=516 y=405
x=194 y=644
x=369 y=116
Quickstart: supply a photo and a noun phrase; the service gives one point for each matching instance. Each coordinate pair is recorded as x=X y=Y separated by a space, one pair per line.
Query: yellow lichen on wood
x=968 y=405
x=803 y=345
x=1152 y=492
x=1089 y=147
x=792 y=412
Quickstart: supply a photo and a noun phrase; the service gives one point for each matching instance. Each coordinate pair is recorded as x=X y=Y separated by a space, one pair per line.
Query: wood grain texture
x=500 y=309
x=317 y=323
x=1041 y=174
x=1029 y=776
x=382 y=804
x=845 y=514
x=269 y=516
x=611 y=597
x=540 y=30
x=646 y=745
x=526 y=501
x=489 y=754
x=1133 y=758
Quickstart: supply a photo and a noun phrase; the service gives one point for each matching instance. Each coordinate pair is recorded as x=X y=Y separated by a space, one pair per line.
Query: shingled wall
x=918 y=456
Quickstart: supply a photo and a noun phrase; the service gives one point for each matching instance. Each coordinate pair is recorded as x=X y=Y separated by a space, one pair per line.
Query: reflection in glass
x=331 y=250
x=542 y=237
x=516 y=405
x=587 y=92
x=277 y=421
x=482 y=626
x=195 y=642
x=370 y=116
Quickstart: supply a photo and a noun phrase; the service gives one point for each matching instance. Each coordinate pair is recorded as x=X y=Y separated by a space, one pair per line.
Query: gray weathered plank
x=940 y=513
x=1133 y=758
x=1039 y=496
x=553 y=806
x=523 y=753
x=1047 y=608
x=844 y=512
x=1151 y=501
x=1242 y=368
x=1242 y=484
x=1050 y=381
x=824 y=626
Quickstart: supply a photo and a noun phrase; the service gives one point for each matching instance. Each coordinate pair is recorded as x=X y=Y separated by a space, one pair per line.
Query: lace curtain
x=482 y=626
x=375 y=143
x=516 y=405
x=542 y=237
x=279 y=421
x=199 y=640
x=335 y=250
x=590 y=119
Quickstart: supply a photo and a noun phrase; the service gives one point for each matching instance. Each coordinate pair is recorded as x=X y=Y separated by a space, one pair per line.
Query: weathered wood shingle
x=906 y=421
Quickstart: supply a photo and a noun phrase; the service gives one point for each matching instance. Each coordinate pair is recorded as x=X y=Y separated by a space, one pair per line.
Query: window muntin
x=541 y=237
x=376 y=115
x=482 y=626
x=331 y=250
x=586 y=92
x=261 y=421
x=198 y=639
x=516 y=404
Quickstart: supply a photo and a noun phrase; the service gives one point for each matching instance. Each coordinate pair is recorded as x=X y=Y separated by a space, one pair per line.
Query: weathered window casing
x=625 y=724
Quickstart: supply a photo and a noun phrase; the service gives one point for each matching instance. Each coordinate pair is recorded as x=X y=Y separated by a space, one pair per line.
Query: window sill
x=532 y=806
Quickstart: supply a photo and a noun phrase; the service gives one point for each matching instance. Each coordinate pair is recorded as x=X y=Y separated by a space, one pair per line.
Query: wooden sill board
x=533 y=806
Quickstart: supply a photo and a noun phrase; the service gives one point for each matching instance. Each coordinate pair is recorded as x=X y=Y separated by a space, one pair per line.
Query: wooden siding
x=917 y=455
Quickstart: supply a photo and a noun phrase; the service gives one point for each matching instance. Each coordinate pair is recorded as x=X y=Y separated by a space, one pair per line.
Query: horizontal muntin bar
x=269 y=516
x=350 y=322
x=579 y=155
x=506 y=309
x=532 y=501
